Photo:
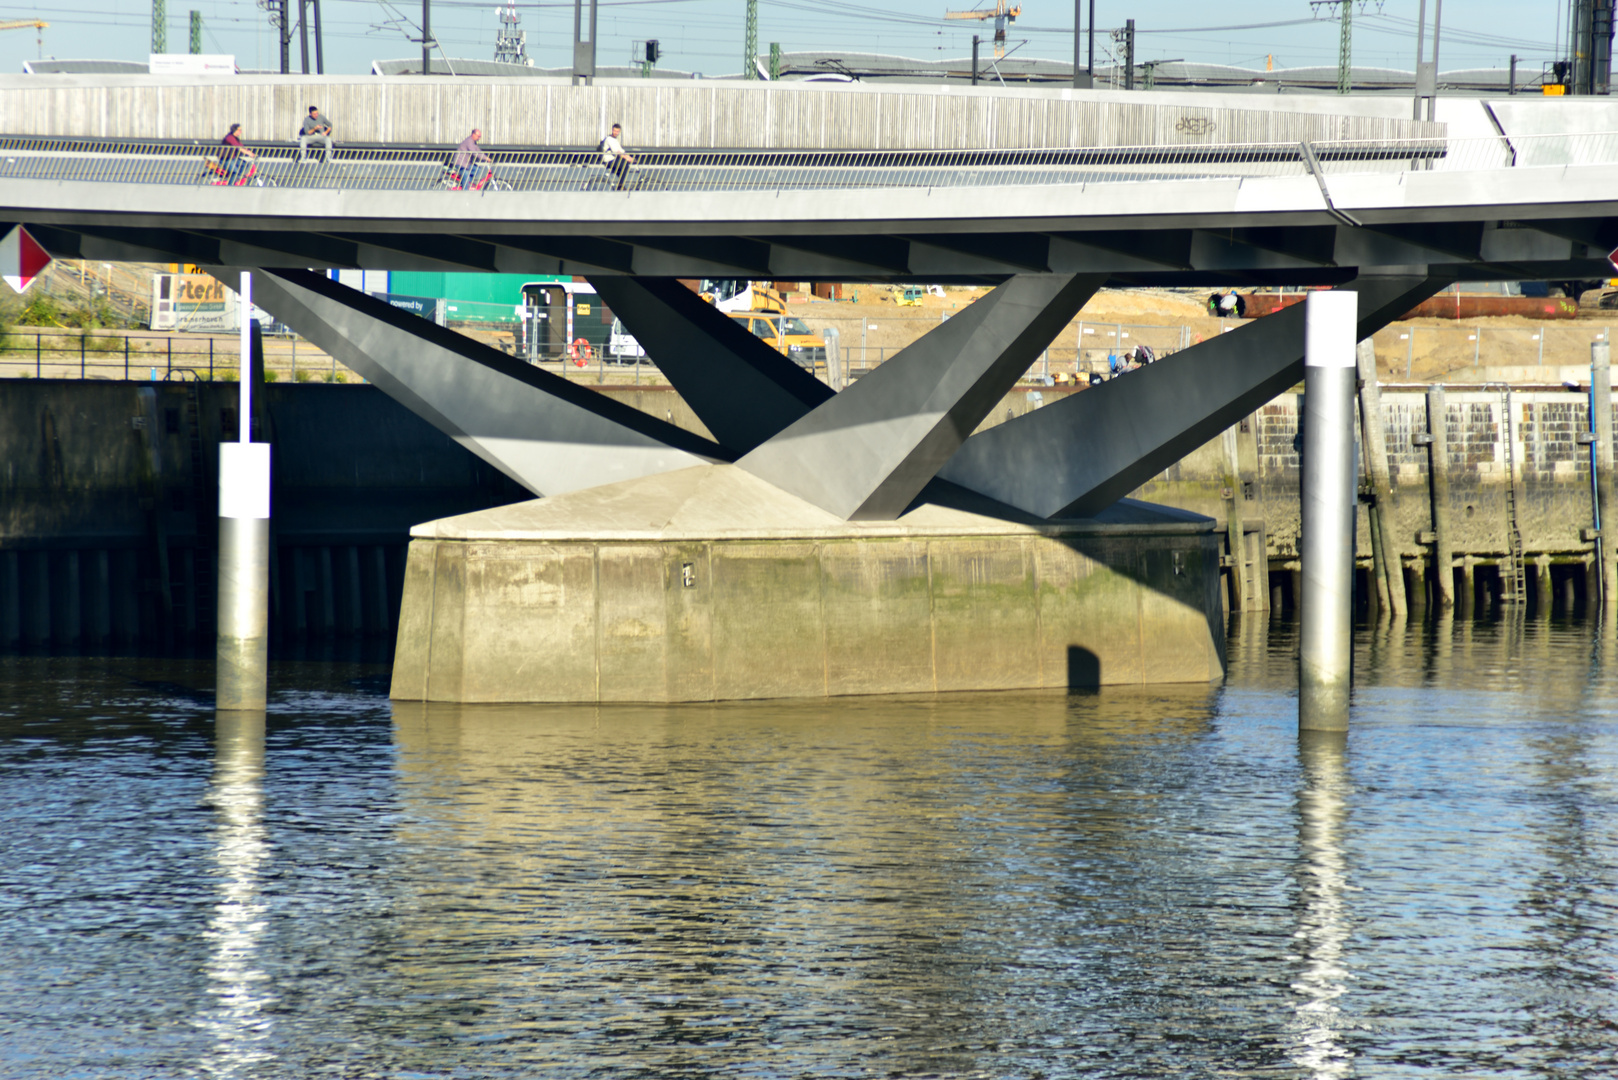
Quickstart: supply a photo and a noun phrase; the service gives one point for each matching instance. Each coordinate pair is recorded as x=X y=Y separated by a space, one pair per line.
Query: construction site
x=101 y=312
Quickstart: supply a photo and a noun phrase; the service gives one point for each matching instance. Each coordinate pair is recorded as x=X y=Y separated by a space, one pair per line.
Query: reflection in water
x=238 y=1018
x=1323 y=928
x=1100 y=886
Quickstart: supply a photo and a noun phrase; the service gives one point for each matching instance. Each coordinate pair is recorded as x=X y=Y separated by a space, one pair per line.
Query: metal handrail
x=676 y=170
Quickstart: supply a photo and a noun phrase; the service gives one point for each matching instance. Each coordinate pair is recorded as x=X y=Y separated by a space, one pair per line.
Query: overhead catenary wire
x=701 y=31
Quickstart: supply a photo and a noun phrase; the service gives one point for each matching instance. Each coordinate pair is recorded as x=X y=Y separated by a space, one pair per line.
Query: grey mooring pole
x=1326 y=608
x=244 y=547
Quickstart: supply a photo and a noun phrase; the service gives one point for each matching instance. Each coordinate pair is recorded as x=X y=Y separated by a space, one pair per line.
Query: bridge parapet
x=382 y=168
x=543 y=112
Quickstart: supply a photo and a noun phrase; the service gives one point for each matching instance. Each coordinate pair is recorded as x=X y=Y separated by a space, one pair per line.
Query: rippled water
x=1129 y=883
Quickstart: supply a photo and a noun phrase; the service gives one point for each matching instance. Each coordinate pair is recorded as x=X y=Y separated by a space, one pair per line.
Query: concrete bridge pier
x=808 y=549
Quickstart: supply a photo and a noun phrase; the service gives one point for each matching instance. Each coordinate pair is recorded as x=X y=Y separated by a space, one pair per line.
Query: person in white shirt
x=614 y=156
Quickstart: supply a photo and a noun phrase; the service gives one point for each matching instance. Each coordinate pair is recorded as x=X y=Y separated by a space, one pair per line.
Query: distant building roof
x=102 y=67
x=884 y=69
x=1012 y=71
x=84 y=67
x=490 y=68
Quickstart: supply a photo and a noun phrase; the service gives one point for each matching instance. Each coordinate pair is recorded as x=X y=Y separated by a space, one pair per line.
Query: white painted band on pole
x=1330 y=329
x=244 y=480
x=245 y=413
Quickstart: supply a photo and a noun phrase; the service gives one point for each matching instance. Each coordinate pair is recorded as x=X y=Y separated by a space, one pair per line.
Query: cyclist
x=466 y=156
x=234 y=157
x=614 y=156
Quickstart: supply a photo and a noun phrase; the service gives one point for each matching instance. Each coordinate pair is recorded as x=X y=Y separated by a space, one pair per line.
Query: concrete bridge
x=864 y=540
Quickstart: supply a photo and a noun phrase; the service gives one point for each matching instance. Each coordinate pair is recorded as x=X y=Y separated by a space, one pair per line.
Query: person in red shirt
x=234 y=157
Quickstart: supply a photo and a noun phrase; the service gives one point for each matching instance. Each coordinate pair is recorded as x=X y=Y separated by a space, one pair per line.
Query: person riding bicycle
x=614 y=156
x=233 y=158
x=464 y=163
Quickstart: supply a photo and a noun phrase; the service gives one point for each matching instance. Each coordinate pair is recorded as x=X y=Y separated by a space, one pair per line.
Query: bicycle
x=215 y=173
x=637 y=179
x=450 y=180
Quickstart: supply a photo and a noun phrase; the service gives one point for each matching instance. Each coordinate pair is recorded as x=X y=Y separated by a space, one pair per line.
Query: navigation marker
x=1612 y=258
x=22 y=259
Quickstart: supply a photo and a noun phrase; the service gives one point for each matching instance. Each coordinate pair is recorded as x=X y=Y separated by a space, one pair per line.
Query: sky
x=707 y=35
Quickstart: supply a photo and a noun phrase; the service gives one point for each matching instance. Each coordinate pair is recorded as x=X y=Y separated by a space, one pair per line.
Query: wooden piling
x=1234 y=538
x=1438 y=495
x=1416 y=589
x=1601 y=425
x=1542 y=586
x=1377 y=582
x=1469 y=585
x=1385 y=546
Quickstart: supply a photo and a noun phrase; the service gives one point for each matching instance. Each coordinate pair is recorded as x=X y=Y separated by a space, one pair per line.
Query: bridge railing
x=565 y=170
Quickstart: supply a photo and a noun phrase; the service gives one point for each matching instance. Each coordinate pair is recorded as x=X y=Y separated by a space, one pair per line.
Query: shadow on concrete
x=1083 y=668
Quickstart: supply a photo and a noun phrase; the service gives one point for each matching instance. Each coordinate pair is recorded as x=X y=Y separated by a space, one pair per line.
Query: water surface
x=1117 y=884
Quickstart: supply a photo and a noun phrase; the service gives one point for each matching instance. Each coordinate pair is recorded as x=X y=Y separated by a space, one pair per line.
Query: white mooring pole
x=1326 y=607
x=244 y=547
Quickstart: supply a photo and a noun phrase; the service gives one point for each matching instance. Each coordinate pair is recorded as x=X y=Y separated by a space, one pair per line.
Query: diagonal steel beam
x=1027 y=252
x=742 y=389
x=548 y=434
x=744 y=253
x=867 y=453
x=884 y=254
x=1087 y=451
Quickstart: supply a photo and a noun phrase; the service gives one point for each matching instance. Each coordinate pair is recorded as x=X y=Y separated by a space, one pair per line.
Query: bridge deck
x=1490 y=208
x=557 y=170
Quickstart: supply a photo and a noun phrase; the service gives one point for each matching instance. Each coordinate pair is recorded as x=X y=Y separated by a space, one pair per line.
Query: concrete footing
x=710 y=584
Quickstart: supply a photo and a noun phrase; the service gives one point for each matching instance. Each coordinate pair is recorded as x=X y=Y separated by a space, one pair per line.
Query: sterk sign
x=21 y=259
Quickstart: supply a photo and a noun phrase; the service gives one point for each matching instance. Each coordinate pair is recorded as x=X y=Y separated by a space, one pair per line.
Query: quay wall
x=109 y=508
x=661 y=113
x=1540 y=454
x=108 y=497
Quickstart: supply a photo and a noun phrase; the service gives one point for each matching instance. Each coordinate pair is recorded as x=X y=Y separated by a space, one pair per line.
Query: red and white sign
x=1612 y=258
x=21 y=259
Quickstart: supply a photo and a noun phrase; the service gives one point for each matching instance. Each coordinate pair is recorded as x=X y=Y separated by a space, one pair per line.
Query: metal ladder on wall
x=1516 y=584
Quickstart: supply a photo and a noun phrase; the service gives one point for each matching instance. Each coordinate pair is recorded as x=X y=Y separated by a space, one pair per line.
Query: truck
x=565 y=319
x=763 y=311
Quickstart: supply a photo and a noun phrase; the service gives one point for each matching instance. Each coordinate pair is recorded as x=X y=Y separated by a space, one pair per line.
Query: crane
x=23 y=24
x=1001 y=13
